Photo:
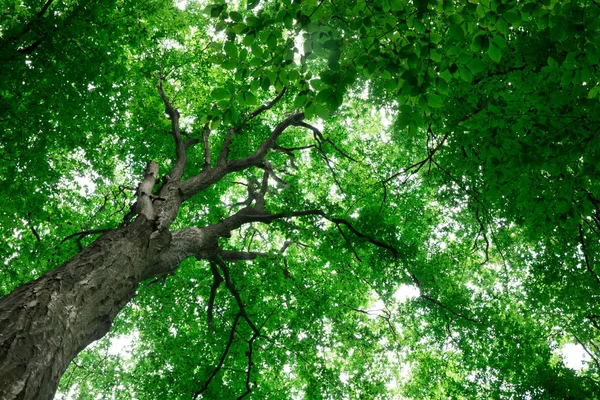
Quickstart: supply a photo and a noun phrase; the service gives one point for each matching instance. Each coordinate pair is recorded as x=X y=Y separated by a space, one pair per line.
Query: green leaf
x=272 y=42
x=235 y=16
x=476 y=65
x=465 y=73
x=220 y=93
x=435 y=101
x=231 y=49
x=494 y=52
x=249 y=38
x=229 y=64
x=324 y=95
x=249 y=98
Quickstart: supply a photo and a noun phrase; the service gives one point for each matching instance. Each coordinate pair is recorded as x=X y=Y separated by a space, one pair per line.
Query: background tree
x=313 y=159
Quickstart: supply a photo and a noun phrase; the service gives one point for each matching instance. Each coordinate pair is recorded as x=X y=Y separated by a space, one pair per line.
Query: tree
x=294 y=165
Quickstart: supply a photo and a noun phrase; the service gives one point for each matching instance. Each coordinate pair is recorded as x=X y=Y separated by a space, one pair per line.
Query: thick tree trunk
x=46 y=323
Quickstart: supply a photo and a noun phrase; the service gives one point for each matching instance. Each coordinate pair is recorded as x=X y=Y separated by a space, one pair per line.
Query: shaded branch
x=223 y=356
x=265 y=107
x=224 y=154
x=205 y=136
x=289 y=152
x=217 y=279
x=266 y=166
x=585 y=255
x=445 y=307
x=416 y=167
x=250 y=364
x=318 y=135
x=248 y=215
x=349 y=243
x=234 y=292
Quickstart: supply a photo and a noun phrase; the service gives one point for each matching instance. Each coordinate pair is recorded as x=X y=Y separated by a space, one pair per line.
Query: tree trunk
x=46 y=323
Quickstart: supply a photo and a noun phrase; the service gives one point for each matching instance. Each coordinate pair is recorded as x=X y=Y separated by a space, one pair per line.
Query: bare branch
x=349 y=243
x=223 y=356
x=587 y=351
x=416 y=167
x=266 y=107
x=318 y=135
x=250 y=364
x=266 y=166
x=248 y=215
x=256 y=158
x=290 y=154
x=288 y=243
x=176 y=172
x=235 y=293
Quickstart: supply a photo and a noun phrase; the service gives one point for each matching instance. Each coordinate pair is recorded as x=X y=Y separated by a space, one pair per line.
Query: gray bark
x=47 y=322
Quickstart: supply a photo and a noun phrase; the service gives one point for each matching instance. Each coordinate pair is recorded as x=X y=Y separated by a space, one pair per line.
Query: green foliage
x=462 y=134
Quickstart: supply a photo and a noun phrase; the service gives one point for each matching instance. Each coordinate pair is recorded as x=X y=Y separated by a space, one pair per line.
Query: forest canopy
x=403 y=196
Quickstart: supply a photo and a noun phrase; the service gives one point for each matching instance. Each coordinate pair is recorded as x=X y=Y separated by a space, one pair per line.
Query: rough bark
x=47 y=322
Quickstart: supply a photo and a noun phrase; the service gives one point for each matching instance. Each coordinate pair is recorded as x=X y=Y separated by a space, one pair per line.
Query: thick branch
x=144 y=201
x=209 y=176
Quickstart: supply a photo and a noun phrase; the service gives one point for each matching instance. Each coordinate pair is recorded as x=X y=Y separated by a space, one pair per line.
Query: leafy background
x=462 y=133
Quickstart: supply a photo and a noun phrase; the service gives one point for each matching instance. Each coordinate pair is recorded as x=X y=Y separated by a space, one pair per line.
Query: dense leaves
x=459 y=141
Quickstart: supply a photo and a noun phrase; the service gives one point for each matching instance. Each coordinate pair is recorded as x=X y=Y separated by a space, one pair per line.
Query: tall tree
x=270 y=180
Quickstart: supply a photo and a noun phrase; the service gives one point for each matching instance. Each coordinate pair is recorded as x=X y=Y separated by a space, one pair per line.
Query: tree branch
x=85 y=233
x=234 y=292
x=223 y=356
x=265 y=107
x=205 y=135
x=247 y=215
x=177 y=171
x=585 y=255
x=250 y=364
x=318 y=135
x=144 y=200
x=256 y=158
x=231 y=255
x=217 y=279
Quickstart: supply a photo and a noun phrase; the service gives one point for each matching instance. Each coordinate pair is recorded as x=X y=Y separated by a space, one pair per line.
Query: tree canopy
x=423 y=178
